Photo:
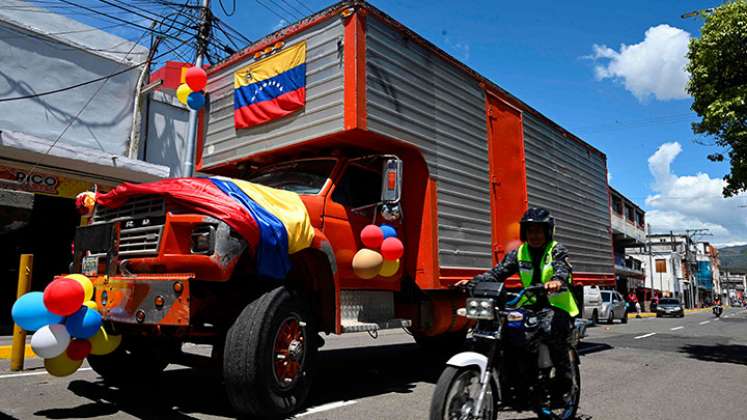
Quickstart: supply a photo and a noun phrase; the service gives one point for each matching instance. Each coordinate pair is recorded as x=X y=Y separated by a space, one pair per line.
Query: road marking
x=677 y=328
x=18 y=375
x=325 y=407
x=704 y=322
x=644 y=336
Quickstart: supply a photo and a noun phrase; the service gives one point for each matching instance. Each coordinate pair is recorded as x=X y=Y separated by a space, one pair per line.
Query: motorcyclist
x=541 y=260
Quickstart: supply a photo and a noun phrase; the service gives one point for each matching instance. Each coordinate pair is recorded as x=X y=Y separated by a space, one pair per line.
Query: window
x=606 y=296
x=302 y=177
x=358 y=187
x=617 y=205
x=630 y=214
x=661 y=266
x=639 y=219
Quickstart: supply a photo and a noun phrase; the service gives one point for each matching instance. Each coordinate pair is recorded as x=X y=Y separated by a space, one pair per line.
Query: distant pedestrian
x=633 y=300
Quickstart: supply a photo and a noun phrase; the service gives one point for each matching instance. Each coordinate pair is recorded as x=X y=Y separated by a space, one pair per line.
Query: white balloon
x=50 y=341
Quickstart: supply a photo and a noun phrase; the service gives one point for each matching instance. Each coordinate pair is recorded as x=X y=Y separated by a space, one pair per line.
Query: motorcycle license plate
x=90 y=266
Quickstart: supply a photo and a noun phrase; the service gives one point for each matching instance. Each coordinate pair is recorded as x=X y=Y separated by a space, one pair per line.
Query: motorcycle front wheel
x=457 y=392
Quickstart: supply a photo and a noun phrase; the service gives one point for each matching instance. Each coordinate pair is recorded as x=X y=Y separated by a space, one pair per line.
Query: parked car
x=613 y=307
x=592 y=303
x=670 y=307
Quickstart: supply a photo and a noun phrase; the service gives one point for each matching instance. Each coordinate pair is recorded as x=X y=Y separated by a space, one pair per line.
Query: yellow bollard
x=18 y=349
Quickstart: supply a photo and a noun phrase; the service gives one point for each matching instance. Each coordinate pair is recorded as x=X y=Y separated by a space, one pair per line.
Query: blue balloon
x=83 y=324
x=30 y=313
x=389 y=232
x=196 y=100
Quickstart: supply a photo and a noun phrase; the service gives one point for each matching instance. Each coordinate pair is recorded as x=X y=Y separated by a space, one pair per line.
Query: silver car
x=613 y=307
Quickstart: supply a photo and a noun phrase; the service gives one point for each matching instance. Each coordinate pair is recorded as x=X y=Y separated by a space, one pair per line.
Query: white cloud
x=609 y=176
x=655 y=66
x=282 y=23
x=692 y=201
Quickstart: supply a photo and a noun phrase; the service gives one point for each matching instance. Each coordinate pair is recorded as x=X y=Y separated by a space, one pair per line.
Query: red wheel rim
x=288 y=352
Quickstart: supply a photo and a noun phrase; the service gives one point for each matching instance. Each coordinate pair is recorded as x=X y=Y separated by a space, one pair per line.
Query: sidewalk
x=652 y=314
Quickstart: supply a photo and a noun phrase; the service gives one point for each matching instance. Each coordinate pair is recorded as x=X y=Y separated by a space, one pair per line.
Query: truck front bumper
x=162 y=299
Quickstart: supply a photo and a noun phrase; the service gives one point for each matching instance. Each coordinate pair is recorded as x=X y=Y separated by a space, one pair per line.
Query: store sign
x=40 y=182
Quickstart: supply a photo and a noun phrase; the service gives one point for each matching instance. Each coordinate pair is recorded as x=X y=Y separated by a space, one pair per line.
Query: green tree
x=718 y=84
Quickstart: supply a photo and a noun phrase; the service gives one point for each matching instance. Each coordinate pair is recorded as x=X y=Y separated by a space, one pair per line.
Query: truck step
x=352 y=326
x=369 y=310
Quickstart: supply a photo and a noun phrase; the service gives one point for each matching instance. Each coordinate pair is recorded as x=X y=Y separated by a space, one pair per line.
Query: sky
x=612 y=73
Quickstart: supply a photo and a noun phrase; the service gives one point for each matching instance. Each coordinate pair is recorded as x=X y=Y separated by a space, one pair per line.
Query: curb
x=5 y=352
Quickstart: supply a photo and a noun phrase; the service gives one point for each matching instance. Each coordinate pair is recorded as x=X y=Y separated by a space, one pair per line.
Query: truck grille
x=141 y=225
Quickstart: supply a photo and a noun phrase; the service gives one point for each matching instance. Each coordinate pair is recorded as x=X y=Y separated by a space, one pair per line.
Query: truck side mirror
x=391 y=190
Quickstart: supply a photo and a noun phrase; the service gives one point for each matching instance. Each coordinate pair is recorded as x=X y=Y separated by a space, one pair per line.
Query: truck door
x=353 y=204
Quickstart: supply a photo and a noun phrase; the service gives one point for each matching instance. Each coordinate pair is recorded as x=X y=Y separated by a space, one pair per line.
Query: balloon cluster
x=67 y=324
x=190 y=93
x=85 y=203
x=381 y=255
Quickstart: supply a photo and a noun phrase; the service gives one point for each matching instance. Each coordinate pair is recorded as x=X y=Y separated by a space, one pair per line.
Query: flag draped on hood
x=274 y=222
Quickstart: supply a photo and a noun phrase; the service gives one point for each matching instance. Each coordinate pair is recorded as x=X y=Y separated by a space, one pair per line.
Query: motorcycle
x=510 y=369
x=718 y=310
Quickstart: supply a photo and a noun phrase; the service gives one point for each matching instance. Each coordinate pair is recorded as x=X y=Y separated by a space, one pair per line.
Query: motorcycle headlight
x=480 y=308
x=514 y=316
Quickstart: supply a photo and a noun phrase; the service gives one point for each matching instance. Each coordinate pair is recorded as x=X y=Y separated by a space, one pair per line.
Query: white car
x=592 y=303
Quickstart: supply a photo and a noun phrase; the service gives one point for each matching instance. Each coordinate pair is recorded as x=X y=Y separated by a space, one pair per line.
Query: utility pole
x=689 y=234
x=203 y=34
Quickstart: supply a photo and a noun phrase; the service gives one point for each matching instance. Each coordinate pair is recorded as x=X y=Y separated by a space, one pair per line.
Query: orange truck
x=392 y=130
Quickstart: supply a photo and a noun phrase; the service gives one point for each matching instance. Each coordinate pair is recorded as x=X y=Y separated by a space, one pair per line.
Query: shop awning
x=23 y=150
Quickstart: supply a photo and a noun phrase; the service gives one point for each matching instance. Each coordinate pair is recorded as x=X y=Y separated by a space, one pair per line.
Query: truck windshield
x=302 y=177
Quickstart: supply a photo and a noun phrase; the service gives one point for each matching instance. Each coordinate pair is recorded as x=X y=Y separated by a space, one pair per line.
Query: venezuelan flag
x=270 y=88
x=284 y=224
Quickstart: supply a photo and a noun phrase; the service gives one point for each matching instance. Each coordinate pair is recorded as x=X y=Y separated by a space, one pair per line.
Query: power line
x=300 y=13
x=51 y=92
x=272 y=10
x=233 y=9
x=279 y=6
x=304 y=6
x=119 y=19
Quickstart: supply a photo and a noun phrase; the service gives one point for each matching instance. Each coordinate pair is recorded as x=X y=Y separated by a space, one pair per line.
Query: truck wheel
x=269 y=355
x=624 y=319
x=445 y=345
x=595 y=317
x=134 y=360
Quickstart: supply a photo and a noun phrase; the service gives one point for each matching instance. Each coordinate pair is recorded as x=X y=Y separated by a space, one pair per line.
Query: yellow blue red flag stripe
x=284 y=224
x=270 y=88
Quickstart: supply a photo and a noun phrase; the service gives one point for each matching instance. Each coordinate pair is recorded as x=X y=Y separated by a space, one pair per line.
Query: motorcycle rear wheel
x=456 y=394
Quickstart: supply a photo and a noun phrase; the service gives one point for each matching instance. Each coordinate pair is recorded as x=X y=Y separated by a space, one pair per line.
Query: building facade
x=628 y=232
x=56 y=145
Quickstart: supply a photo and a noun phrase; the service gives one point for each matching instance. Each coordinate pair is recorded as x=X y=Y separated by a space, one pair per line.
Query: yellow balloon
x=85 y=282
x=62 y=365
x=103 y=343
x=367 y=263
x=389 y=268
x=182 y=92
x=91 y=305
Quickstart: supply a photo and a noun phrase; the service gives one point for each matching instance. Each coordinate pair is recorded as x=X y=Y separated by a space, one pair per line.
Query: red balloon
x=196 y=78
x=64 y=296
x=372 y=236
x=78 y=349
x=392 y=248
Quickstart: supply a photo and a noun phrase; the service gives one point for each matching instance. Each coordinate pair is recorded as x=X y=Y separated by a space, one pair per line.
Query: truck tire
x=595 y=317
x=134 y=360
x=269 y=355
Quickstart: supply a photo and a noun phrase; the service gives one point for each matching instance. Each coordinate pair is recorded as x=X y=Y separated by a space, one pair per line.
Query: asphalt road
x=689 y=368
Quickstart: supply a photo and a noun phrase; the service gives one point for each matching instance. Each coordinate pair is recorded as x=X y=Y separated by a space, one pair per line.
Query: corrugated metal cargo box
x=413 y=92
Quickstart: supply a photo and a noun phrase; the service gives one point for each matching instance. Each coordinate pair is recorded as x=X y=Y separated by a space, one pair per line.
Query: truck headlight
x=203 y=239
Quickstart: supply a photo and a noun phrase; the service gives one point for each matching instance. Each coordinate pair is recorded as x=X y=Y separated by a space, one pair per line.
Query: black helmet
x=537 y=215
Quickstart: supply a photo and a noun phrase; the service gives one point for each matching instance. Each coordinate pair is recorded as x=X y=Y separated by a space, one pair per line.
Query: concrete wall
x=31 y=61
